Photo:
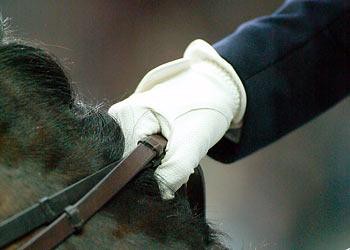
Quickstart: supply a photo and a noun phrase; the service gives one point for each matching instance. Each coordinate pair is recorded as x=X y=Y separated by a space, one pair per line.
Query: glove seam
x=212 y=109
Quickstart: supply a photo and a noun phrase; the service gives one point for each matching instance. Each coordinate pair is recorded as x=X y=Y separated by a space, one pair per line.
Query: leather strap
x=72 y=220
x=48 y=208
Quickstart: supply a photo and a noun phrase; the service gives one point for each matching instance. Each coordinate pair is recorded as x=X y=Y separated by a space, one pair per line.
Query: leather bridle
x=68 y=210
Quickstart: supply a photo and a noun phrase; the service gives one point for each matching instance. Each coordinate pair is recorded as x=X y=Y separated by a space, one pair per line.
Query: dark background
x=107 y=46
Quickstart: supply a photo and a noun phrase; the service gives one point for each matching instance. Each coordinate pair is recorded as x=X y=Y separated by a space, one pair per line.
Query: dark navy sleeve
x=294 y=64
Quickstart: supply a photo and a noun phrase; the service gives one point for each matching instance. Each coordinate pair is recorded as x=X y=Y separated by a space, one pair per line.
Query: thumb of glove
x=136 y=122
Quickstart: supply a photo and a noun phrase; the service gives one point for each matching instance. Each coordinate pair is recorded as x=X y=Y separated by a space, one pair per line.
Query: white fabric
x=192 y=101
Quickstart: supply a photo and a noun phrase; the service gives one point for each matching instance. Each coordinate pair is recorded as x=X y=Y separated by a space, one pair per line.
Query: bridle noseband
x=70 y=208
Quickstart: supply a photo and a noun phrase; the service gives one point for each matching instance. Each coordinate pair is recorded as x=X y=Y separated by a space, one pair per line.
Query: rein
x=88 y=196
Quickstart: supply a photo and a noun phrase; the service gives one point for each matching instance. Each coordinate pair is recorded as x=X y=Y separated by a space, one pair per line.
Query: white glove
x=191 y=101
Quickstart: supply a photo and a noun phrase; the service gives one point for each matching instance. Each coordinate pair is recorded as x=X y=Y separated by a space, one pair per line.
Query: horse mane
x=50 y=138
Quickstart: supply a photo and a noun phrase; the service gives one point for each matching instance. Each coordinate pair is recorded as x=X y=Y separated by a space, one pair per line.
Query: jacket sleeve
x=294 y=64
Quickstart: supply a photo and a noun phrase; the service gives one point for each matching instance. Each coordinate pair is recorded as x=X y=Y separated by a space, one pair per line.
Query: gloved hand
x=191 y=101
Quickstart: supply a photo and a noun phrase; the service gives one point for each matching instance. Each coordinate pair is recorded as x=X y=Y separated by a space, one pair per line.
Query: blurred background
x=279 y=197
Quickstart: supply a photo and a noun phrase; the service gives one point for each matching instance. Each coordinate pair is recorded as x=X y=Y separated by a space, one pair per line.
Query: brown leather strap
x=76 y=215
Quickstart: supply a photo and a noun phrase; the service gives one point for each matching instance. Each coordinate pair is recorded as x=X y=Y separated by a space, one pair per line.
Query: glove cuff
x=203 y=57
x=200 y=50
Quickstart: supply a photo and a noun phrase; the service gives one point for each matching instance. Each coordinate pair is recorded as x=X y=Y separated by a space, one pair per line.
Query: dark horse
x=50 y=139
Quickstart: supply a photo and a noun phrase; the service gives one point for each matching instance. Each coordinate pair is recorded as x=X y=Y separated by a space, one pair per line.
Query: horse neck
x=26 y=175
x=22 y=186
x=115 y=225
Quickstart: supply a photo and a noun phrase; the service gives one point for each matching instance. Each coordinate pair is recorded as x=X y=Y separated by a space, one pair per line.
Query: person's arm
x=294 y=65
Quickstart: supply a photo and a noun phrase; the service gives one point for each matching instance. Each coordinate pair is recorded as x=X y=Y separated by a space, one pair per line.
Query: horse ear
x=98 y=125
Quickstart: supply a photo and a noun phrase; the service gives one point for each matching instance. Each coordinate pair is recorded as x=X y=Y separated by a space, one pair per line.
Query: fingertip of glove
x=166 y=192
